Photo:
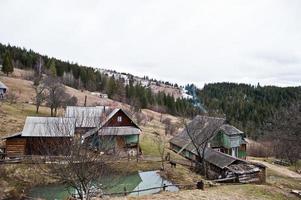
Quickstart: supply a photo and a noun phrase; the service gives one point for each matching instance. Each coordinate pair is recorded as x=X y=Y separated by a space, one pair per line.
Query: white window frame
x=119 y=118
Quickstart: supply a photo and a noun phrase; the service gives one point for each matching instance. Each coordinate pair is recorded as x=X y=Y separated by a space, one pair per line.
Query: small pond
x=133 y=182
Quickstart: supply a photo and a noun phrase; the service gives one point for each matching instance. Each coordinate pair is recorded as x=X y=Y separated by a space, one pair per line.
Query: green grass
x=13 y=116
x=273 y=178
x=259 y=192
x=148 y=146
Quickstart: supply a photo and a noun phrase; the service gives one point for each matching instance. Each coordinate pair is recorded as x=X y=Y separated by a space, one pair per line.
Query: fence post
x=200 y=185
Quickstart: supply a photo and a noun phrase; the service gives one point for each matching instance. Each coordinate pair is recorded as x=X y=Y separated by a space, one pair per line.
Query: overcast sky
x=183 y=41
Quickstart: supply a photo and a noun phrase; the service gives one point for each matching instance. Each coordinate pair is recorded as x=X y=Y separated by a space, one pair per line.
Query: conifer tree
x=7 y=66
x=52 y=68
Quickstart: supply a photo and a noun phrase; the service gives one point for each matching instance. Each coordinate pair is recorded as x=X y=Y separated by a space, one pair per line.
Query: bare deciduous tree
x=284 y=131
x=200 y=131
x=56 y=94
x=160 y=143
x=40 y=97
x=38 y=70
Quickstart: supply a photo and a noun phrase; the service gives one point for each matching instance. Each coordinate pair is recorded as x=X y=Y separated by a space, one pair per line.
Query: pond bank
x=131 y=182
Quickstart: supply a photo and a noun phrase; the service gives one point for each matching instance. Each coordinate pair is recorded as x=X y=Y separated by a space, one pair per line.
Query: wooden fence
x=198 y=185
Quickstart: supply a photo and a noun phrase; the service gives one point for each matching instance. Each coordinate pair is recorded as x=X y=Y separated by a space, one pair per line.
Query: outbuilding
x=41 y=136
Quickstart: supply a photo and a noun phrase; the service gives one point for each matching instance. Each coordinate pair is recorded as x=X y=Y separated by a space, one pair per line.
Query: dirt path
x=279 y=169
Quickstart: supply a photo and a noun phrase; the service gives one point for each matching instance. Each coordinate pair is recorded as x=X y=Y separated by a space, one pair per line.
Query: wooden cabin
x=117 y=133
x=230 y=140
x=41 y=136
x=220 y=162
x=227 y=139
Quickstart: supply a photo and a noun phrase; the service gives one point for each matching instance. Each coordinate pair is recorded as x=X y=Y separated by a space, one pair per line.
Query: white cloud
x=177 y=40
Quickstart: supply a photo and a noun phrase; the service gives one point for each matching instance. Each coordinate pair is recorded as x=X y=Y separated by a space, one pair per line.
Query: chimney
x=85 y=104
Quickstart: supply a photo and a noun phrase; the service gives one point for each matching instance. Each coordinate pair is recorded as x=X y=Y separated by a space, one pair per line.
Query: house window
x=119 y=119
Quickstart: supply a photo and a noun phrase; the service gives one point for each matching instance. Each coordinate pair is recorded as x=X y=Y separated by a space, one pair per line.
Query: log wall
x=15 y=147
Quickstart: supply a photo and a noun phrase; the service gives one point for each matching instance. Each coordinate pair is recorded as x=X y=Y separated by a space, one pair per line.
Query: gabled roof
x=230 y=130
x=121 y=130
x=88 y=117
x=199 y=128
x=113 y=113
x=2 y=85
x=48 y=127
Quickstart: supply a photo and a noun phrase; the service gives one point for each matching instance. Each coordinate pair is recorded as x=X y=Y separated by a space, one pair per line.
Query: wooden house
x=118 y=133
x=40 y=136
x=3 y=90
x=227 y=139
x=230 y=140
x=224 y=154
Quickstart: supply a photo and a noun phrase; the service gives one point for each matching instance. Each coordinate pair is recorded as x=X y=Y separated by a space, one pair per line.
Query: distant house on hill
x=224 y=154
x=3 y=90
x=38 y=136
x=117 y=133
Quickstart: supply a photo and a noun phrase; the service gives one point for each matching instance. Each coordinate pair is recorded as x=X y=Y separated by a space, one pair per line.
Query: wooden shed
x=40 y=136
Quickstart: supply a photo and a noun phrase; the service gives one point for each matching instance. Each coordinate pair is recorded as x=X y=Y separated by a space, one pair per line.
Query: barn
x=41 y=136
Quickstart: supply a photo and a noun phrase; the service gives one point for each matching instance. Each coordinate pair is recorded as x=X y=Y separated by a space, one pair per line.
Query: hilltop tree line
x=248 y=107
x=88 y=78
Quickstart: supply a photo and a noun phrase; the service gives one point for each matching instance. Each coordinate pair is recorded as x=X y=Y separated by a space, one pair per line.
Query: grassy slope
x=226 y=192
x=12 y=116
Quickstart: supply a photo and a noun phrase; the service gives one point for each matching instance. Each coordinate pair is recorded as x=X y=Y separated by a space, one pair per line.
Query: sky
x=181 y=41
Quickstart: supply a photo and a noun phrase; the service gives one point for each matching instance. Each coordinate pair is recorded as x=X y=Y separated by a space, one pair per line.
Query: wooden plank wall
x=15 y=147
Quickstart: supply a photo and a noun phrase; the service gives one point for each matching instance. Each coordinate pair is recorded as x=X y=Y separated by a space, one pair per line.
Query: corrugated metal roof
x=230 y=130
x=48 y=127
x=86 y=116
x=218 y=159
x=121 y=130
x=2 y=85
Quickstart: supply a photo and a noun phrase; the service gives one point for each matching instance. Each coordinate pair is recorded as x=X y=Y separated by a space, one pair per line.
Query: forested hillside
x=249 y=107
x=83 y=77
